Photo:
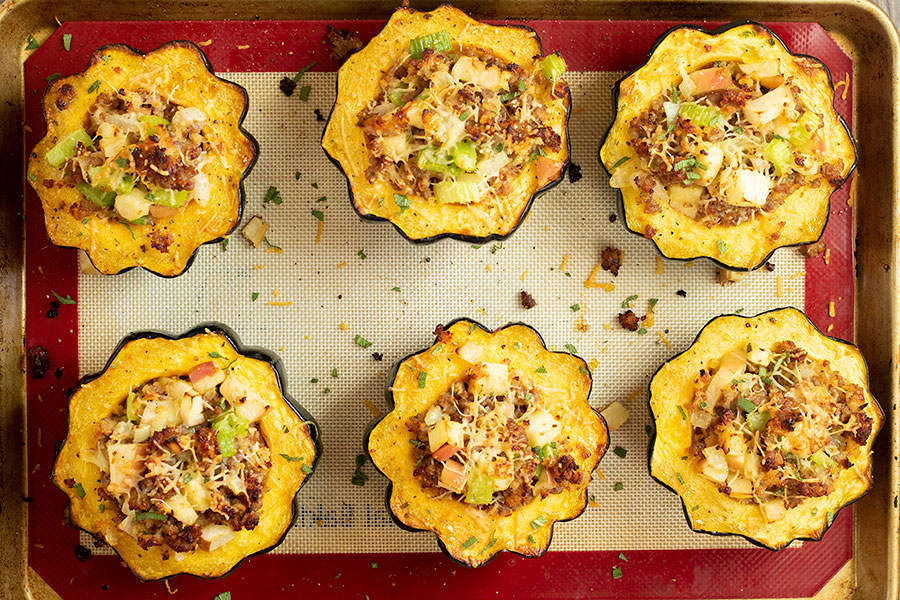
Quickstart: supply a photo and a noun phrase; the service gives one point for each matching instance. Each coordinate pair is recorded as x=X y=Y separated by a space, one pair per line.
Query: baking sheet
x=307 y=292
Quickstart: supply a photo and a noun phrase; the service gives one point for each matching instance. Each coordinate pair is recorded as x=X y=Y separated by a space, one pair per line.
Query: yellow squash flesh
x=179 y=71
x=803 y=214
x=673 y=387
x=464 y=531
x=358 y=83
x=140 y=361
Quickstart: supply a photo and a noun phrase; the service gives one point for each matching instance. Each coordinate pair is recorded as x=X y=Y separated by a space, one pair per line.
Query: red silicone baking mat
x=287 y=46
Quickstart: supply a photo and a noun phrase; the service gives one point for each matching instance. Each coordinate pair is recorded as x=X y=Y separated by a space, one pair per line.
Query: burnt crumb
x=527 y=299
x=54 y=310
x=681 y=293
x=886 y=267
x=104 y=587
x=611 y=260
x=58 y=373
x=574 y=173
x=65 y=95
x=438 y=330
x=39 y=360
x=813 y=250
x=612 y=218
x=82 y=553
x=319 y=116
x=768 y=266
x=378 y=356
x=630 y=321
x=27 y=499
x=343 y=43
x=287 y=86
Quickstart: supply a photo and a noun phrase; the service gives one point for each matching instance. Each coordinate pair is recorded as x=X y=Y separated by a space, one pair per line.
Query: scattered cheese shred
x=279 y=303
x=524 y=273
x=659 y=265
x=243 y=47
x=648 y=320
x=373 y=408
x=562 y=265
x=590 y=283
x=599 y=474
x=607 y=326
x=663 y=337
x=779 y=287
x=826 y=256
x=169 y=588
x=274 y=250
x=831 y=309
x=275 y=293
x=845 y=83
x=487 y=267
x=830 y=327
x=798 y=274
x=593 y=503
x=633 y=395
x=319 y=231
x=344 y=327
x=689 y=263
x=206 y=43
x=342 y=265
x=258 y=267
x=593 y=364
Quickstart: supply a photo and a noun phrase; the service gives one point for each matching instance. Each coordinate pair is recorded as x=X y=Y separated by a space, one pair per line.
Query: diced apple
x=246 y=403
x=453 y=476
x=716 y=466
x=767 y=73
x=748 y=188
x=437 y=435
x=206 y=376
x=731 y=367
x=181 y=509
x=470 y=352
x=615 y=415
x=214 y=536
x=255 y=230
x=133 y=205
x=685 y=199
x=197 y=494
x=711 y=80
x=759 y=355
x=455 y=433
x=752 y=465
x=470 y=69
x=741 y=488
x=444 y=452
x=542 y=428
x=490 y=379
x=126 y=465
x=773 y=510
x=736 y=462
x=176 y=389
x=766 y=108
x=192 y=410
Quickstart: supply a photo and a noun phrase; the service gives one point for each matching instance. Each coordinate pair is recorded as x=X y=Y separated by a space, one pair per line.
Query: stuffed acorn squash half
x=727 y=146
x=764 y=427
x=448 y=127
x=184 y=454
x=490 y=441
x=143 y=158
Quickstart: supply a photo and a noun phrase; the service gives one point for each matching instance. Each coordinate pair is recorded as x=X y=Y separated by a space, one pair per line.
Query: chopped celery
x=227 y=428
x=779 y=154
x=456 y=192
x=758 y=419
x=98 y=196
x=65 y=148
x=120 y=183
x=806 y=127
x=702 y=116
x=167 y=197
x=464 y=155
x=480 y=489
x=553 y=67
x=129 y=408
x=823 y=460
x=396 y=95
x=433 y=159
x=153 y=121
x=440 y=41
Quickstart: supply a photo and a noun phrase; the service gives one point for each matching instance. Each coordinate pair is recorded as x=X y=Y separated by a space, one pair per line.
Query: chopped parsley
x=622 y=557
x=66 y=300
x=680 y=478
x=627 y=302
x=402 y=202
x=584 y=370
x=517 y=346
x=302 y=72
x=616 y=573
x=496 y=248
x=361 y=254
x=67 y=41
x=539 y=522
x=290 y=458
x=79 y=489
x=470 y=542
x=620 y=162
x=829 y=518
x=359 y=478
x=225 y=245
x=334 y=373
x=746 y=405
x=642 y=331
x=396 y=288
x=361 y=341
x=575 y=307
x=541 y=369
x=306 y=469
x=254 y=296
x=296 y=175
x=150 y=515
x=32 y=43
x=303 y=94
x=722 y=246
x=215 y=354
x=318 y=214
x=618 y=486
x=464 y=115
x=91 y=90
x=620 y=451
x=422 y=378
x=272 y=195
x=652 y=303
x=571 y=348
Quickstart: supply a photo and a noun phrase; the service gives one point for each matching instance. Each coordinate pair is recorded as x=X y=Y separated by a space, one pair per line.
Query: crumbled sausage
x=611 y=259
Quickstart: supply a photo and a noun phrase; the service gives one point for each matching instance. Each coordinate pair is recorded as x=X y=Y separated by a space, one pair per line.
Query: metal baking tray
x=863 y=31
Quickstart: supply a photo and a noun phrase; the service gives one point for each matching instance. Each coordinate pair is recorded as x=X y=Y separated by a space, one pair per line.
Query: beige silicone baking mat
x=362 y=278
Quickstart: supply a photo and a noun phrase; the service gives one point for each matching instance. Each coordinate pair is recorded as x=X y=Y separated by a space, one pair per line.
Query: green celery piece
x=120 y=183
x=439 y=40
x=98 y=196
x=702 y=116
x=779 y=154
x=433 y=159
x=806 y=126
x=396 y=96
x=553 y=67
x=225 y=433
x=757 y=420
x=456 y=192
x=480 y=489
x=465 y=155
x=129 y=408
x=65 y=148
x=167 y=197
x=823 y=460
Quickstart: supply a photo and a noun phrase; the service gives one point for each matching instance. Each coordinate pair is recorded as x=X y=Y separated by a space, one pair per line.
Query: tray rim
x=858 y=23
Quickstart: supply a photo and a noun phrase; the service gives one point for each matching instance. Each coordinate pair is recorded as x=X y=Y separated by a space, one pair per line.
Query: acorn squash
x=144 y=158
x=421 y=150
x=726 y=146
x=288 y=432
x=809 y=466
x=491 y=509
